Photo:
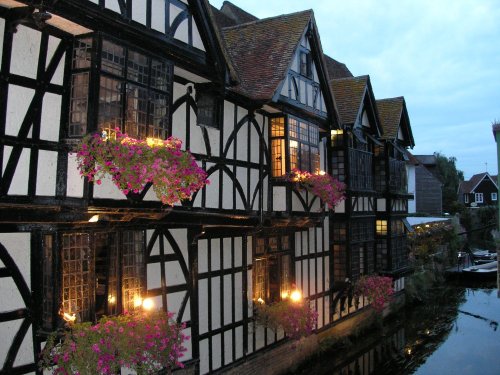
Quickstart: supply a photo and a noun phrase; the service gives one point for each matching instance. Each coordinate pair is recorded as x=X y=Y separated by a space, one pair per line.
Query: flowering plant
x=297 y=319
x=133 y=163
x=327 y=188
x=144 y=342
x=378 y=290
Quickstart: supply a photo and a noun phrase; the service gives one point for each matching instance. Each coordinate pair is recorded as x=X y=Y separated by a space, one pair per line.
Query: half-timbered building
x=391 y=183
x=352 y=160
x=251 y=99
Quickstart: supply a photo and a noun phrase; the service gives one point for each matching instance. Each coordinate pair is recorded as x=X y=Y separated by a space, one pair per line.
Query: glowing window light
x=296 y=296
x=137 y=301
x=94 y=219
x=148 y=304
x=69 y=317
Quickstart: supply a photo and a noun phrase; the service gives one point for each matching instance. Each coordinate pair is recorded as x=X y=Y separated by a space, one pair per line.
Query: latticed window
x=294 y=144
x=102 y=273
x=133 y=95
x=272 y=269
x=381 y=227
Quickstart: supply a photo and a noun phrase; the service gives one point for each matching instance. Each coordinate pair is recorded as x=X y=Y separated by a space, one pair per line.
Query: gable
x=301 y=85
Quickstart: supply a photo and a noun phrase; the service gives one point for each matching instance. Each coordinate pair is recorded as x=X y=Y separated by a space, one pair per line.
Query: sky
x=443 y=56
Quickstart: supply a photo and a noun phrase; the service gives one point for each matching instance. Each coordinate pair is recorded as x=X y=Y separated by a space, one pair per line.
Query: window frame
x=272 y=249
x=466 y=198
x=214 y=116
x=478 y=197
x=52 y=310
x=494 y=196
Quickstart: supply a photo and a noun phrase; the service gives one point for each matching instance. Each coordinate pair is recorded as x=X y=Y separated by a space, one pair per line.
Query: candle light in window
x=261 y=301
x=137 y=301
x=148 y=304
x=296 y=295
x=285 y=294
x=154 y=142
x=94 y=219
x=111 y=299
x=69 y=317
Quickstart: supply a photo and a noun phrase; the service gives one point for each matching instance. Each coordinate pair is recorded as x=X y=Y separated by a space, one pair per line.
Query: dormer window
x=305 y=64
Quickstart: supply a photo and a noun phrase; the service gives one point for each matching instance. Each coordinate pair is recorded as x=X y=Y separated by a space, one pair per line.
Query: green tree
x=451 y=177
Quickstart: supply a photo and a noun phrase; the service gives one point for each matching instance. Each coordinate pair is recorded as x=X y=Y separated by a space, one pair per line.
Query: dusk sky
x=443 y=56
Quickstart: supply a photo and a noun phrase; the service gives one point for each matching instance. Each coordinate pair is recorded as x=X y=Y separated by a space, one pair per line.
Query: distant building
x=481 y=190
x=428 y=186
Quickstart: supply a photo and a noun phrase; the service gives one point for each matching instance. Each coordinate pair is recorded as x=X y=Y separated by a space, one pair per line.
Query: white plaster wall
x=203 y=305
x=255 y=143
x=279 y=198
x=25 y=51
x=58 y=77
x=215 y=258
x=241 y=174
x=113 y=5
x=158 y=15
x=75 y=182
x=204 y=358
x=216 y=323
x=46 y=173
x=8 y=331
x=212 y=190
x=18 y=103
x=139 y=11
x=381 y=205
x=107 y=189
x=228 y=124
x=2 y=26
x=154 y=275
x=51 y=117
x=197 y=41
x=19 y=185
x=254 y=180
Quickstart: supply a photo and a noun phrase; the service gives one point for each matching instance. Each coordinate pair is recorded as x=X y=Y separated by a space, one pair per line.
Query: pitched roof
x=237 y=14
x=336 y=69
x=222 y=19
x=412 y=159
x=390 y=111
x=427 y=160
x=470 y=186
x=349 y=94
x=262 y=50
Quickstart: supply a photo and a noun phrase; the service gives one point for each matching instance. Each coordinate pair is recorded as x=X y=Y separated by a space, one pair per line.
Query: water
x=456 y=333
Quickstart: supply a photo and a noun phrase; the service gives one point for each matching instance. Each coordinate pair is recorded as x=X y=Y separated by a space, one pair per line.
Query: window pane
x=113 y=58
x=160 y=73
x=274 y=279
x=286 y=277
x=278 y=157
x=110 y=104
x=294 y=152
x=293 y=128
x=78 y=276
x=305 y=161
x=82 y=53
x=259 y=276
x=158 y=116
x=78 y=104
x=137 y=67
x=133 y=269
x=136 y=112
x=278 y=127
x=106 y=272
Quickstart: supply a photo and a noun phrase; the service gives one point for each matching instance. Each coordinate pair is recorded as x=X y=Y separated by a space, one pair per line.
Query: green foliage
x=478 y=223
x=451 y=177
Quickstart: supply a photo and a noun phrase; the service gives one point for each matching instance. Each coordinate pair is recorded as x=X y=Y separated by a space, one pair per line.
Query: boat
x=483 y=271
x=483 y=256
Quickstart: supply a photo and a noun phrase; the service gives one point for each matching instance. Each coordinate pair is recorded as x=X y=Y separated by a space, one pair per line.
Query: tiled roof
x=390 y=112
x=412 y=160
x=336 y=69
x=237 y=14
x=349 y=94
x=427 y=159
x=262 y=50
x=468 y=186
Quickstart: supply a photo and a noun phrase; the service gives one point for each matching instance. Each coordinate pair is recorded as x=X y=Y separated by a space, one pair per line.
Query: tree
x=451 y=178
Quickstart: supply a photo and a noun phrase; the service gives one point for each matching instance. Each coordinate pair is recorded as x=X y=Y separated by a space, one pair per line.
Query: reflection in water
x=454 y=333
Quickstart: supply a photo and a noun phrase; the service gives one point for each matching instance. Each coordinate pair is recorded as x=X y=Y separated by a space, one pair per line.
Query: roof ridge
x=262 y=20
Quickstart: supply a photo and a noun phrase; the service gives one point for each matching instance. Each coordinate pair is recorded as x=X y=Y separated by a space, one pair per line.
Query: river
x=456 y=332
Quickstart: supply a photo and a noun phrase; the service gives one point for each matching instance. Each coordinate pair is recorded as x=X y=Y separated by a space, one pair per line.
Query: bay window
x=115 y=86
x=294 y=145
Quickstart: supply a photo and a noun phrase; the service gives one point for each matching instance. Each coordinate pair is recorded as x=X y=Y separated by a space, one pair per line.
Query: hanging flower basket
x=146 y=343
x=327 y=188
x=297 y=319
x=133 y=163
x=378 y=290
